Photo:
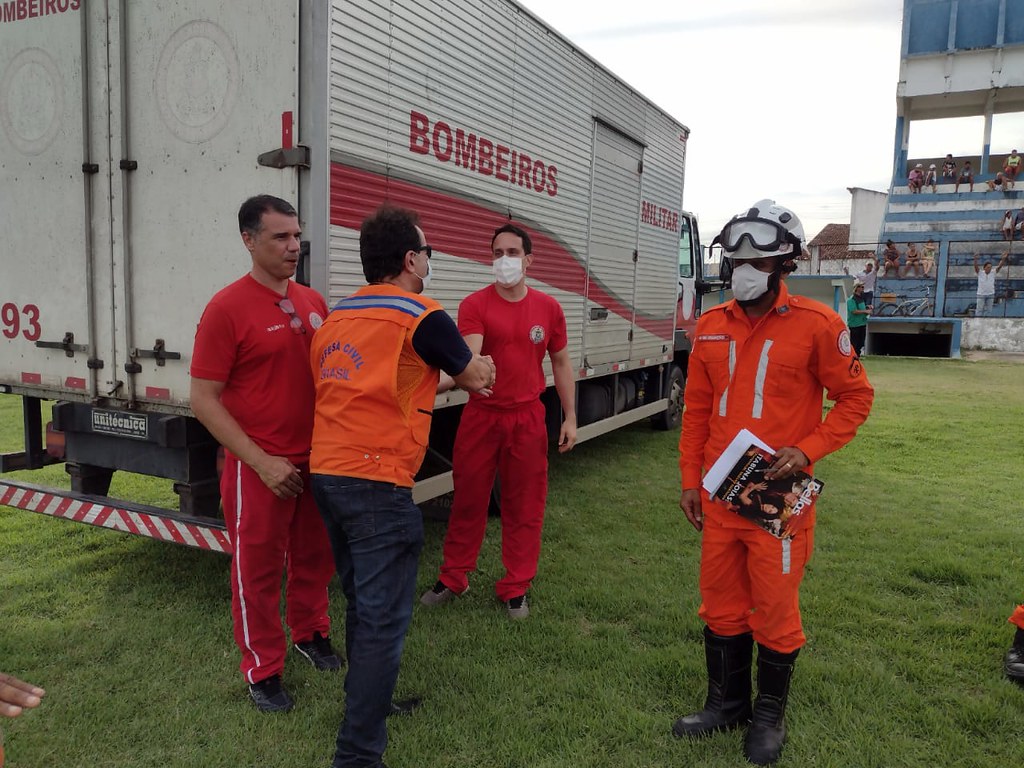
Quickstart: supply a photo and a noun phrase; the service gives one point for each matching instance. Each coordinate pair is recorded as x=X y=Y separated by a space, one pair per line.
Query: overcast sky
x=792 y=100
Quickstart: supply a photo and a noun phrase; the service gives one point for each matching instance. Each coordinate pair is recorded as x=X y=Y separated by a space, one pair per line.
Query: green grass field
x=918 y=564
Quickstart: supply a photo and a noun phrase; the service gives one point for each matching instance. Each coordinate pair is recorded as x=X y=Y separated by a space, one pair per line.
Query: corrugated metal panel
x=473 y=113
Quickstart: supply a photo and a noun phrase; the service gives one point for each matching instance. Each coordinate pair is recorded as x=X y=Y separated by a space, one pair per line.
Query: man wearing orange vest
x=376 y=364
x=1013 y=665
x=762 y=362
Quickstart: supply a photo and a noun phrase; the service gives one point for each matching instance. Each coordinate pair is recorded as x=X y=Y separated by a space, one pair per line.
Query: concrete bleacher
x=962 y=224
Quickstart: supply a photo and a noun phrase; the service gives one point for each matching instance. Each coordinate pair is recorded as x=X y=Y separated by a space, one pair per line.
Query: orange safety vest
x=374 y=394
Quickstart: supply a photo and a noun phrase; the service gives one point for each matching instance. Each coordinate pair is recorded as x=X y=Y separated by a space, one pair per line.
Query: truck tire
x=672 y=416
x=594 y=402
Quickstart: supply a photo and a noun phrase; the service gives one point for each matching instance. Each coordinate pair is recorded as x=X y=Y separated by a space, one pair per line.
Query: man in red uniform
x=506 y=432
x=376 y=362
x=251 y=387
x=1013 y=665
x=760 y=362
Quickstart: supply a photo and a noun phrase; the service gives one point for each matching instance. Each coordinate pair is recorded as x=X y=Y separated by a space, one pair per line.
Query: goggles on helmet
x=761 y=234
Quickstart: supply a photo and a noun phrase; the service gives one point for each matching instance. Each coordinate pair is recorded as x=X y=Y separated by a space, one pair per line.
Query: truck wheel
x=594 y=404
x=672 y=416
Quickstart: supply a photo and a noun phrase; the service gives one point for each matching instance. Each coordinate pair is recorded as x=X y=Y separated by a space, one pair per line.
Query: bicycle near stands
x=908 y=307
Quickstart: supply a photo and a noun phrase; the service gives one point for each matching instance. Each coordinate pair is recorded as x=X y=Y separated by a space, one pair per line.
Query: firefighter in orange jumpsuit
x=762 y=362
x=1013 y=665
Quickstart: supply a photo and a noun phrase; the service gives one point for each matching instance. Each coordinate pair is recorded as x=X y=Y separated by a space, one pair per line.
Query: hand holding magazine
x=737 y=479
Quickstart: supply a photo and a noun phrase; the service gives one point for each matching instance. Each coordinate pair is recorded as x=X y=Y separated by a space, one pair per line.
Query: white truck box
x=130 y=132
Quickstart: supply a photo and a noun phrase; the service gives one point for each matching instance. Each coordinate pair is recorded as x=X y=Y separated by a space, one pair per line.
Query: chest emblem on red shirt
x=315 y=321
x=843 y=342
x=537 y=334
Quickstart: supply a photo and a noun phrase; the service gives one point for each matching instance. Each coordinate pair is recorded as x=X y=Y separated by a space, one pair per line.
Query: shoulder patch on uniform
x=856 y=369
x=843 y=342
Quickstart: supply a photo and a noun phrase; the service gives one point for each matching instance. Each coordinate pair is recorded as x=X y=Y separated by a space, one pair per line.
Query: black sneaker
x=404 y=707
x=270 y=696
x=320 y=653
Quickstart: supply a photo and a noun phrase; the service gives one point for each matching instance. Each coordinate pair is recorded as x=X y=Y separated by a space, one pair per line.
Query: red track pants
x=1018 y=617
x=515 y=444
x=750 y=582
x=268 y=534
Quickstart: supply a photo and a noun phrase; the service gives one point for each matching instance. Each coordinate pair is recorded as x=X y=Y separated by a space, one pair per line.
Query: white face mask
x=749 y=283
x=508 y=270
x=426 y=278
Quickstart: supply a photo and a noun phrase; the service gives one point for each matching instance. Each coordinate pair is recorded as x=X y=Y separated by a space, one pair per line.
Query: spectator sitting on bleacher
x=929 y=179
x=916 y=179
x=1007 y=225
x=1018 y=224
x=1001 y=181
x=928 y=257
x=913 y=260
x=987 y=284
x=1012 y=167
x=949 y=168
x=966 y=176
x=890 y=258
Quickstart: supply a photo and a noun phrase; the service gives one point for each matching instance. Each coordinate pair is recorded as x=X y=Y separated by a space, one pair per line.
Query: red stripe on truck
x=31 y=378
x=463 y=229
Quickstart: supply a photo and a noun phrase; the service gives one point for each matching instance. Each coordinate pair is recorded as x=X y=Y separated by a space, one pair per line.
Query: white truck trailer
x=130 y=132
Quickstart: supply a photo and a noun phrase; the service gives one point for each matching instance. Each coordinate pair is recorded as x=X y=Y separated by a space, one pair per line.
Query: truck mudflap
x=136 y=519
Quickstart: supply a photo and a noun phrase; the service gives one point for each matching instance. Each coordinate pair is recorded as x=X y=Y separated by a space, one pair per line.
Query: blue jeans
x=376 y=533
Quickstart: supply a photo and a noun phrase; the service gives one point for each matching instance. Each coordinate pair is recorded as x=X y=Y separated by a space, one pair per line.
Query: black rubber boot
x=728 y=702
x=1013 y=664
x=767 y=731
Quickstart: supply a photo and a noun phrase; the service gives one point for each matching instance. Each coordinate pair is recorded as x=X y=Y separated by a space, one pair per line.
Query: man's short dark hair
x=250 y=215
x=519 y=232
x=384 y=239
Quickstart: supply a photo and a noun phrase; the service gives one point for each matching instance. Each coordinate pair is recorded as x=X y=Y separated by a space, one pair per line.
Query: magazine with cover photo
x=737 y=479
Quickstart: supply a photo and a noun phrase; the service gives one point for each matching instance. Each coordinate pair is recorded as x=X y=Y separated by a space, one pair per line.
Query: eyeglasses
x=426 y=248
x=295 y=323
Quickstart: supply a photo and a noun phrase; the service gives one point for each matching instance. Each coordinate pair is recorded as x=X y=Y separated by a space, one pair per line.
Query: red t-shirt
x=517 y=334
x=245 y=340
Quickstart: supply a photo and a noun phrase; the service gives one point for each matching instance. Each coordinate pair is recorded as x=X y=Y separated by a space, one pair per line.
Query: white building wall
x=867 y=213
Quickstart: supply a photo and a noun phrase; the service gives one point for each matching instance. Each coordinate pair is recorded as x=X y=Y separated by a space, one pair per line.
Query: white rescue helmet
x=764 y=229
